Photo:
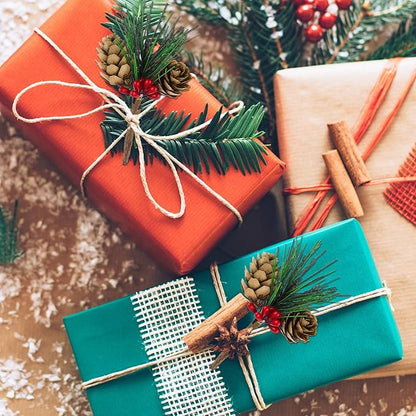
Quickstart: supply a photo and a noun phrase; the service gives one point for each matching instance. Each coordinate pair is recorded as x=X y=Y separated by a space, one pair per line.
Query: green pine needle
x=226 y=142
x=299 y=284
x=9 y=249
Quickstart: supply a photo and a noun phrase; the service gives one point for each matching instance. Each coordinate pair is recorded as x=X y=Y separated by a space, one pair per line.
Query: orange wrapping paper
x=116 y=190
x=324 y=94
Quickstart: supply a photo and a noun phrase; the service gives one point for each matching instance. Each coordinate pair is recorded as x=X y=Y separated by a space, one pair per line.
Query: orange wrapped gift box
x=116 y=190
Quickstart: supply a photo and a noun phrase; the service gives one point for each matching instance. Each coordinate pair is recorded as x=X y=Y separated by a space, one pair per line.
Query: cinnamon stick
x=205 y=332
x=342 y=138
x=343 y=185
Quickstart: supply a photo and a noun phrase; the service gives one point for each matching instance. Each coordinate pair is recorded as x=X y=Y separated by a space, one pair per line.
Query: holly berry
x=124 y=90
x=258 y=316
x=274 y=329
x=314 y=33
x=147 y=83
x=343 y=4
x=252 y=307
x=311 y=2
x=265 y=311
x=134 y=93
x=327 y=20
x=305 y=12
x=321 y=5
x=155 y=95
x=274 y=316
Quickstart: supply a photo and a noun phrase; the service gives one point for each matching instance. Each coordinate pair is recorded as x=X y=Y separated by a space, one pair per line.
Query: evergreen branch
x=259 y=32
x=226 y=142
x=300 y=286
x=213 y=78
x=275 y=36
x=150 y=41
x=402 y=43
x=363 y=13
x=9 y=249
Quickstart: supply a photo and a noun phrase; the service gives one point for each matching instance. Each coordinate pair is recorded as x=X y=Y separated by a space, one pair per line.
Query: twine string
x=247 y=368
x=133 y=121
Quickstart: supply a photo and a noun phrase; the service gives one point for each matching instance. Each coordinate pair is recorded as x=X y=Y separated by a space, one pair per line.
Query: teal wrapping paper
x=350 y=341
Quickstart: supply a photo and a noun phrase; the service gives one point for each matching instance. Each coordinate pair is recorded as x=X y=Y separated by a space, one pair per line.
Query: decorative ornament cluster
x=281 y=296
x=116 y=64
x=319 y=15
x=141 y=58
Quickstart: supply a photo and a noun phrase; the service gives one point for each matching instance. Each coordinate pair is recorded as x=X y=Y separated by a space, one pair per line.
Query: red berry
x=321 y=5
x=305 y=12
x=124 y=90
x=137 y=85
x=327 y=20
x=155 y=95
x=343 y=4
x=274 y=329
x=275 y=322
x=265 y=310
x=135 y=94
x=151 y=90
x=146 y=83
x=252 y=307
x=298 y=2
x=314 y=33
x=311 y=2
x=258 y=316
x=275 y=315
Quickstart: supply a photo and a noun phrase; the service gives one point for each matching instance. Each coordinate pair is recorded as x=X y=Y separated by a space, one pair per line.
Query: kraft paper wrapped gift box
x=349 y=341
x=325 y=94
x=116 y=190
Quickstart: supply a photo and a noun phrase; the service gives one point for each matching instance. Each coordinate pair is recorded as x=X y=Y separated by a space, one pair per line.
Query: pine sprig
x=264 y=38
x=213 y=78
x=226 y=142
x=150 y=40
x=402 y=43
x=9 y=248
x=299 y=286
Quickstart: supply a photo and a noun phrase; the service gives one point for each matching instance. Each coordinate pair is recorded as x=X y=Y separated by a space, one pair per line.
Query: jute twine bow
x=247 y=367
x=115 y=103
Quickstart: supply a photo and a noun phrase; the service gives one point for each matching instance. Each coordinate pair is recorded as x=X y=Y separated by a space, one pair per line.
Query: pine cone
x=256 y=286
x=299 y=327
x=232 y=342
x=112 y=62
x=175 y=81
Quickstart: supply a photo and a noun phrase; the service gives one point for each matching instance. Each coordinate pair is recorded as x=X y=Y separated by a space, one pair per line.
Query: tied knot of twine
x=114 y=102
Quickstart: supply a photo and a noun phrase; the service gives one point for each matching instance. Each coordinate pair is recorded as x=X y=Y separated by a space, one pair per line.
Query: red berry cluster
x=143 y=86
x=320 y=15
x=268 y=314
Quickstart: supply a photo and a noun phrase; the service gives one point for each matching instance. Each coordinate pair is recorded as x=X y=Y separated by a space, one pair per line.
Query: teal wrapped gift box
x=118 y=335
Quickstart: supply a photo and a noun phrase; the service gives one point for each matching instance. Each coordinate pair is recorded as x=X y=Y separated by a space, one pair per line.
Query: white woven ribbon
x=115 y=103
x=186 y=384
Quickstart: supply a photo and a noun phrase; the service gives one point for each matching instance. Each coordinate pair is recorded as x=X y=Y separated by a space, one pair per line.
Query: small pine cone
x=112 y=62
x=299 y=327
x=256 y=286
x=175 y=81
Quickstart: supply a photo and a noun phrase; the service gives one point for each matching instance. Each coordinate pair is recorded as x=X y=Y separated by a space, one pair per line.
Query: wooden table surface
x=74 y=259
